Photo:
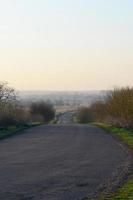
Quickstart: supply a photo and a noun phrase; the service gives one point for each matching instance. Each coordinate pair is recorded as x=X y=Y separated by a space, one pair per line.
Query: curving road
x=58 y=162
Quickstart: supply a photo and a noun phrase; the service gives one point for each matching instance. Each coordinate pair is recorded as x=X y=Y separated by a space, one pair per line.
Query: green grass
x=12 y=130
x=124 y=134
x=126 y=191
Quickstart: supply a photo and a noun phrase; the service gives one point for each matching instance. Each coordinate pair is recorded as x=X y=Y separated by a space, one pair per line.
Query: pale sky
x=66 y=44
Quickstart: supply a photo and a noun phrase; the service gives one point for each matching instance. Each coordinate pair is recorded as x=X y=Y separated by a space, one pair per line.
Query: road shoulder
x=124 y=183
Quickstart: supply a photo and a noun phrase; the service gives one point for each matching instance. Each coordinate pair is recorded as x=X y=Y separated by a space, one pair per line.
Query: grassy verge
x=12 y=130
x=126 y=191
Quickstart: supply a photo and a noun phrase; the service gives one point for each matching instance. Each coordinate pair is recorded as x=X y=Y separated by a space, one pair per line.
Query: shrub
x=43 y=109
x=117 y=108
x=15 y=116
x=11 y=112
x=83 y=115
x=7 y=119
x=119 y=104
x=98 y=111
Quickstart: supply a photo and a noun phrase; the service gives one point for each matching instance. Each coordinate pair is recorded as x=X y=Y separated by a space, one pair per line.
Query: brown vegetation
x=116 y=108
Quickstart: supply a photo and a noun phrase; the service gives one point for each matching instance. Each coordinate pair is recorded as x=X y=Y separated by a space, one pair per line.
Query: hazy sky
x=66 y=44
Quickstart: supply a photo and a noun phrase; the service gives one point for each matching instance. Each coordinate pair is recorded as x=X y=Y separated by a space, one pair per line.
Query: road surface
x=58 y=162
x=66 y=118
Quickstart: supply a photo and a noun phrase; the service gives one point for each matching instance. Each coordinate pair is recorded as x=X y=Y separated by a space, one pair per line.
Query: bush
x=83 y=115
x=7 y=119
x=11 y=113
x=15 y=116
x=43 y=109
x=98 y=111
x=117 y=108
x=119 y=105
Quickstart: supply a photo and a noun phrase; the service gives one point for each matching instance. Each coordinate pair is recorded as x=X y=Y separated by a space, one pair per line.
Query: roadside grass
x=126 y=191
x=12 y=130
x=126 y=135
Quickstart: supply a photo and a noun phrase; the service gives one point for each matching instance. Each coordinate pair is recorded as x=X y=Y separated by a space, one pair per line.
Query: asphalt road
x=66 y=118
x=58 y=162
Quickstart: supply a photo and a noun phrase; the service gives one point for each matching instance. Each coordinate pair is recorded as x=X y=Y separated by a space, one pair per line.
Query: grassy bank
x=12 y=130
x=125 y=192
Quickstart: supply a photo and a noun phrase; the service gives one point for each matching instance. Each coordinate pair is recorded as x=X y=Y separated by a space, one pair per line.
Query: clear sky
x=66 y=45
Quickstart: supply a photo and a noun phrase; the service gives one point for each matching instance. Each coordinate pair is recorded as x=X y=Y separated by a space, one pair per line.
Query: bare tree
x=8 y=96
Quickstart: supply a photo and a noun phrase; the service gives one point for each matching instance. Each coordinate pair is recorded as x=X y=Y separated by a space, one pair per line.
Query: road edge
x=111 y=190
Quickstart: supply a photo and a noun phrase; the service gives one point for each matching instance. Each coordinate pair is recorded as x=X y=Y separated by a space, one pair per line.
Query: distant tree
x=43 y=109
x=8 y=96
x=8 y=105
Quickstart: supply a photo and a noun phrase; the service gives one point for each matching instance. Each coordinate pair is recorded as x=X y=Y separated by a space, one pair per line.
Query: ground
x=55 y=162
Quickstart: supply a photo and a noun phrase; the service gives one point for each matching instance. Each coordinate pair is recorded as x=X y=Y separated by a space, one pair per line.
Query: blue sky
x=63 y=37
